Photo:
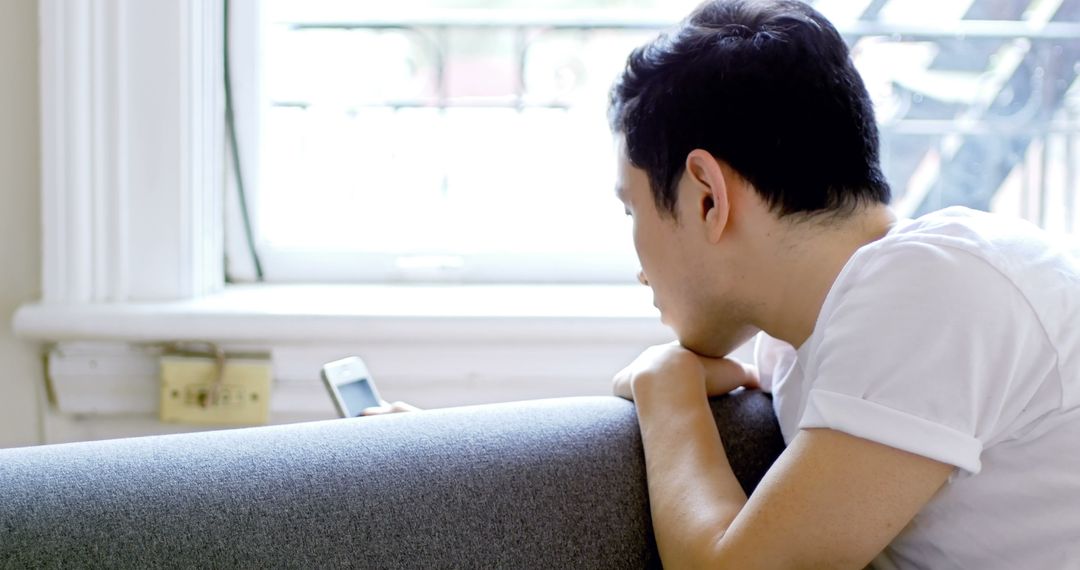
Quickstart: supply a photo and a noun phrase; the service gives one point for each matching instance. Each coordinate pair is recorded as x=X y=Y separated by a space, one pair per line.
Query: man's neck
x=810 y=257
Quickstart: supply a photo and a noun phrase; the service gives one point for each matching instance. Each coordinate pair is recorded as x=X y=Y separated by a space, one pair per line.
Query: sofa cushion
x=539 y=484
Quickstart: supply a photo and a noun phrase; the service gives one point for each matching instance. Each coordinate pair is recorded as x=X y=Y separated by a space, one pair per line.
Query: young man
x=925 y=373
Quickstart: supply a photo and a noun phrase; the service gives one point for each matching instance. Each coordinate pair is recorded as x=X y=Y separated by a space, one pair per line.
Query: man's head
x=754 y=100
x=766 y=86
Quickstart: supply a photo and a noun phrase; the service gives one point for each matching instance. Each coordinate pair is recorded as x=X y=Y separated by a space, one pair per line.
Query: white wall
x=20 y=221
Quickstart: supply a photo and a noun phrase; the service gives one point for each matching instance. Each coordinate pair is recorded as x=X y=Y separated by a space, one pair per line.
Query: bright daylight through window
x=457 y=140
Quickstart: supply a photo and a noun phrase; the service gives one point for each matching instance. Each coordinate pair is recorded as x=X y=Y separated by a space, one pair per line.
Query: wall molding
x=114 y=72
x=434 y=346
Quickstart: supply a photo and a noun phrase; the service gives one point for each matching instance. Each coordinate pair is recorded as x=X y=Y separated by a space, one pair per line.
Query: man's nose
x=642 y=279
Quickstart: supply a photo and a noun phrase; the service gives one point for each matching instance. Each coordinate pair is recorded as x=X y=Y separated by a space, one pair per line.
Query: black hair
x=768 y=87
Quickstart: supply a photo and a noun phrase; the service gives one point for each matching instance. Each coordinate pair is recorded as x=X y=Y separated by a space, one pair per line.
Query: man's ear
x=711 y=202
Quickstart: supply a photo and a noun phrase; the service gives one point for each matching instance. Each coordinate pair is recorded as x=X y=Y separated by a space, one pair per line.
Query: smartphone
x=350 y=386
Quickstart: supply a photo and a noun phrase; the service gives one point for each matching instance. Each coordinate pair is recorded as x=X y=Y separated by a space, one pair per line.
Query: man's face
x=691 y=290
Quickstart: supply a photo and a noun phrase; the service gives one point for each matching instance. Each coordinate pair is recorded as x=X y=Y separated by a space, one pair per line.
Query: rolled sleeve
x=901 y=430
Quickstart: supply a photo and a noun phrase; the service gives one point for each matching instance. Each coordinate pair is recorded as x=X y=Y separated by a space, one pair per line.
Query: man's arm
x=831 y=500
x=693 y=493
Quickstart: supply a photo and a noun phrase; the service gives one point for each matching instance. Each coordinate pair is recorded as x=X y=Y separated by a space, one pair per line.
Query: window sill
x=307 y=314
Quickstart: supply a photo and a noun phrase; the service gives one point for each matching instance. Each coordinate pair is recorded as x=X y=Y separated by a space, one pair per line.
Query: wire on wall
x=230 y=125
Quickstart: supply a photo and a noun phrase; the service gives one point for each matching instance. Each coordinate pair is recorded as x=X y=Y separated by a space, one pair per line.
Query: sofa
x=556 y=483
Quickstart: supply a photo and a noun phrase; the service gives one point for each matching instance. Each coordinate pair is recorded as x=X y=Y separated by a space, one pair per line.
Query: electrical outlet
x=242 y=398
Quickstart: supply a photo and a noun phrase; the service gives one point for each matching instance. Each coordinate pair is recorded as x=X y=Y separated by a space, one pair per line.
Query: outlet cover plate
x=243 y=398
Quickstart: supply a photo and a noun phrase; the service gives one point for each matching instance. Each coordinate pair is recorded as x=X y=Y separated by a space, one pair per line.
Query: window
x=442 y=143
x=467 y=140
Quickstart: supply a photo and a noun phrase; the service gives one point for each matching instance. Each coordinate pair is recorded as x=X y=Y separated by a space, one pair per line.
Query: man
x=925 y=373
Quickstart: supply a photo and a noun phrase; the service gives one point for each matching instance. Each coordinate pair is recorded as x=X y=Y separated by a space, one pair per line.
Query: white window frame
x=326 y=266
x=133 y=192
x=134 y=150
x=134 y=173
x=131 y=150
x=134 y=179
x=134 y=169
x=330 y=266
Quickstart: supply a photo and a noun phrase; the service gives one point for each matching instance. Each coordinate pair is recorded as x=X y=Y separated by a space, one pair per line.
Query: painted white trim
x=312 y=314
x=428 y=345
x=112 y=72
x=202 y=151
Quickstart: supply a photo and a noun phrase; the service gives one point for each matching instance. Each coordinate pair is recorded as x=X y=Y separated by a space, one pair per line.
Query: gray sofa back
x=539 y=484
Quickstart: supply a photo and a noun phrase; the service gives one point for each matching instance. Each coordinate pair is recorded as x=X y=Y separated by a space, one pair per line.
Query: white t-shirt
x=955 y=337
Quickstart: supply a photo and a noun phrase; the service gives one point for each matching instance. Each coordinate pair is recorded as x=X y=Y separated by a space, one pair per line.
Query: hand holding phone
x=353 y=390
x=391 y=408
x=350 y=386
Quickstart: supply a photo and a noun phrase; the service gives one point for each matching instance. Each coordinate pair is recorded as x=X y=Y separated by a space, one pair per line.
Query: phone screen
x=357 y=395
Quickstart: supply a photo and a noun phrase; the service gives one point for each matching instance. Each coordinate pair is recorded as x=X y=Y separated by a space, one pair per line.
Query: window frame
x=371 y=267
x=133 y=152
x=132 y=233
x=114 y=72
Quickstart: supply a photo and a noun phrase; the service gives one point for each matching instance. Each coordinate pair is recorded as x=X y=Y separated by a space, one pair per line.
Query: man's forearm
x=694 y=494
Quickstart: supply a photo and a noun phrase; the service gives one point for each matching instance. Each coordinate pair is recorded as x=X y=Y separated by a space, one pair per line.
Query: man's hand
x=673 y=364
x=389 y=408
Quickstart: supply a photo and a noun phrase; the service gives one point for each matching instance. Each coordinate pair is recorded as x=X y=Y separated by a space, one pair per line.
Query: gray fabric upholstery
x=541 y=484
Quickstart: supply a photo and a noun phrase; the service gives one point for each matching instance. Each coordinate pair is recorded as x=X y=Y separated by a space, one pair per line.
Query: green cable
x=230 y=125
